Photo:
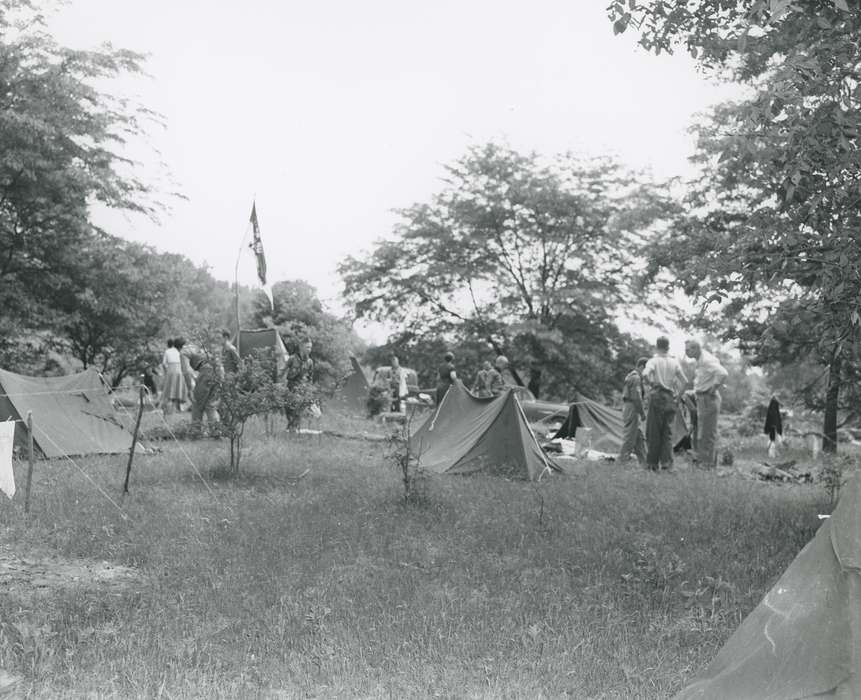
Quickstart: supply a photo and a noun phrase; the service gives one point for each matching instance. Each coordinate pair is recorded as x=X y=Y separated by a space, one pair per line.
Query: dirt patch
x=37 y=574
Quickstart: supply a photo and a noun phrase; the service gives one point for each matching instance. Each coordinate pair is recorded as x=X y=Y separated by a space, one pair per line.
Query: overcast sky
x=334 y=113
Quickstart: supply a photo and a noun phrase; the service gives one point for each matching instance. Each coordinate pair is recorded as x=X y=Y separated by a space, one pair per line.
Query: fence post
x=134 y=440
x=29 y=461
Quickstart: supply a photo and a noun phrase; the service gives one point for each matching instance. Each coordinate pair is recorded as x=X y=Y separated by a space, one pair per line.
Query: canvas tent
x=354 y=391
x=804 y=639
x=72 y=415
x=607 y=425
x=467 y=434
x=251 y=341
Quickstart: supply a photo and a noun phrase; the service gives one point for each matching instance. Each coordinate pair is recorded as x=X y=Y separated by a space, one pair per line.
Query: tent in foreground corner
x=607 y=425
x=804 y=639
x=72 y=415
x=354 y=391
x=467 y=434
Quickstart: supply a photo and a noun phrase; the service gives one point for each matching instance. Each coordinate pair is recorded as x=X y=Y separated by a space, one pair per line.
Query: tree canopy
x=62 y=141
x=532 y=256
x=773 y=225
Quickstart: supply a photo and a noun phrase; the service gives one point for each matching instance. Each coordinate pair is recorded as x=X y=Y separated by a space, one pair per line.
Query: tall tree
x=774 y=228
x=533 y=255
x=126 y=298
x=61 y=141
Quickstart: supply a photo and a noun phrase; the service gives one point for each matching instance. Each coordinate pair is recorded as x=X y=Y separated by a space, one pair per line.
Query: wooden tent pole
x=134 y=440
x=29 y=461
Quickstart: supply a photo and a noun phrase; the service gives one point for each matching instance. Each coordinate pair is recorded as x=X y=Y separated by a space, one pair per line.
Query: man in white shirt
x=709 y=376
x=666 y=379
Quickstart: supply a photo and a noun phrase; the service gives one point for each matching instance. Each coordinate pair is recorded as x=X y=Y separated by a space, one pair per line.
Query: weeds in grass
x=833 y=473
x=331 y=586
x=407 y=460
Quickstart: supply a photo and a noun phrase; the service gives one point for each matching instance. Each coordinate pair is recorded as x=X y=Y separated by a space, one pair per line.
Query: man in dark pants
x=632 y=414
x=666 y=378
x=205 y=401
x=299 y=371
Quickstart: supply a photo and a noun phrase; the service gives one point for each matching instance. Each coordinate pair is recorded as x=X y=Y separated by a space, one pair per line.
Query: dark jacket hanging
x=773 y=423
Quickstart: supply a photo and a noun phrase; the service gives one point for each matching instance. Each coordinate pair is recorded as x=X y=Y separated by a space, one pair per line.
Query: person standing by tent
x=299 y=373
x=487 y=380
x=187 y=371
x=205 y=398
x=666 y=379
x=229 y=354
x=397 y=384
x=632 y=413
x=174 y=391
x=447 y=376
x=505 y=376
x=709 y=376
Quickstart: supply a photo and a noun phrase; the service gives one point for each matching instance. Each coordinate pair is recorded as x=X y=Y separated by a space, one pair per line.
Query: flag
x=256 y=246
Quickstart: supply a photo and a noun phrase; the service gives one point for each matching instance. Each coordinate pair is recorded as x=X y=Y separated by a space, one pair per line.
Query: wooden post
x=29 y=461
x=134 y=441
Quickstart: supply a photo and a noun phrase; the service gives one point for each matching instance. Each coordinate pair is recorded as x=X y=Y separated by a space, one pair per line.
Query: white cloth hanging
x=7 y=440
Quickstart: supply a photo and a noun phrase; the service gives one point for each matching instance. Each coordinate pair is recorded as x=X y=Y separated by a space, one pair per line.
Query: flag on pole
x=256 y=246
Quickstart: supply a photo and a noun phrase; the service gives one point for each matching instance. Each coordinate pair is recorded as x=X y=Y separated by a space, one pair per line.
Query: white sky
x=333 y=113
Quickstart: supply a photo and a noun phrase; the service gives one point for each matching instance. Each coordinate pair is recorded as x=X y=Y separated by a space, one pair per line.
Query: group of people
x=651 y=394
x=650 y=400
x=490 y=380
x=192 y=376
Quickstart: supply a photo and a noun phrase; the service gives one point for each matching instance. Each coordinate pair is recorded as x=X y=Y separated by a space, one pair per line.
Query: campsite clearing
x=613 y=583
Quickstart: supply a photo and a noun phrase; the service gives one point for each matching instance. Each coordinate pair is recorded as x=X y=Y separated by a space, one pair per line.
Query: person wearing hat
x=633 y=413
x=205 y=398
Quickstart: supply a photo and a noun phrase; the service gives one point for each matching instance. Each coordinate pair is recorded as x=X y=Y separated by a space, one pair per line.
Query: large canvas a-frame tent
x=804 y=639
x=354 y=391
x=72 y=415
x=607 y=426
x=467 y=434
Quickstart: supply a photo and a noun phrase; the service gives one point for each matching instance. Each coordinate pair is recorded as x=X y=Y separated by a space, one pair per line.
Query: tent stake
x=134 y=440
x=29 y=461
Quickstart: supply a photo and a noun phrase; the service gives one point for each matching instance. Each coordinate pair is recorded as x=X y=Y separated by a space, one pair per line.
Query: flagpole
x=236 y=290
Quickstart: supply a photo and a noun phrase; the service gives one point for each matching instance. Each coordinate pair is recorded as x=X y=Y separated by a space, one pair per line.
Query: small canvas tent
x=804 y=639
x=354 y=391
x=467 y=434
x=72 y=415
x=607 y=425
x=250 y=341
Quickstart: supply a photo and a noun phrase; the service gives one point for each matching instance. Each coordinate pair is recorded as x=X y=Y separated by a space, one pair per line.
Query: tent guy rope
x=87 y=476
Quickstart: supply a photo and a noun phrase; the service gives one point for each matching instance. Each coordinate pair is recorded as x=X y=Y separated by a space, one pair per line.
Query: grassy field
x=602 y=583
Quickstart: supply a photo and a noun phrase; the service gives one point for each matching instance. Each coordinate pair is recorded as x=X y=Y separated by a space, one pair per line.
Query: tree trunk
x=832 y=393
x=535 y=380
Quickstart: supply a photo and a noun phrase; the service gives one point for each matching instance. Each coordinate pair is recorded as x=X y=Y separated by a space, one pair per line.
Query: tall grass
x=329 y=585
